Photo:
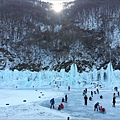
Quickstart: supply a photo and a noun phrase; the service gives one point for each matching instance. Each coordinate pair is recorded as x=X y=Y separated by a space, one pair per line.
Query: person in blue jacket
x=52 y=102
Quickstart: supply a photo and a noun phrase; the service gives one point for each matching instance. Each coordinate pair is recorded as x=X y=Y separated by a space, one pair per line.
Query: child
x=102 y=109
x=61 y=106
x=62 y=99
x=90 y=98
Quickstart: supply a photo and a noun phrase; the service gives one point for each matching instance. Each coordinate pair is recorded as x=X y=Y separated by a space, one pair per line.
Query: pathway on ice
x=76 y=108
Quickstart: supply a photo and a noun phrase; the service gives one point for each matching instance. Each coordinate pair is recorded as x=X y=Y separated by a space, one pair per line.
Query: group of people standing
x=90 y=98
x=61 y=106
x=85 y=95
x=96 y=106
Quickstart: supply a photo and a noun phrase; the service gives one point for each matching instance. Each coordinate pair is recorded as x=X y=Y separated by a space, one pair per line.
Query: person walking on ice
x=52 y=102
x=92 y=93
x=85 y=99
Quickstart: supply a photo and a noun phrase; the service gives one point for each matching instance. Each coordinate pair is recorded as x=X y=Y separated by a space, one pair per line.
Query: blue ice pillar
x=101 y=74
x=73 y=74
x=74 y=70
x=110 y=73
x=62 y=73
x=64 y=77
x=95 y=74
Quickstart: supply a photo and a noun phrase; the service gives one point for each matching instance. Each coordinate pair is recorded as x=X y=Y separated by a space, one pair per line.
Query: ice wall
x=27 y=79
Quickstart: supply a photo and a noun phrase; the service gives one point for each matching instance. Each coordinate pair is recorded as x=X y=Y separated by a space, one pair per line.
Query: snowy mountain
x=33 y=37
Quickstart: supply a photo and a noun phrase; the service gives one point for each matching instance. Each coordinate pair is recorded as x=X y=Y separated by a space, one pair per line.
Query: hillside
x=33 y=37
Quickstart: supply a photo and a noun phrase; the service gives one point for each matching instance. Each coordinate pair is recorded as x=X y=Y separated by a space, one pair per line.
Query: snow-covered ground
x=37 y=105
x=26 y=95
x=32 y=108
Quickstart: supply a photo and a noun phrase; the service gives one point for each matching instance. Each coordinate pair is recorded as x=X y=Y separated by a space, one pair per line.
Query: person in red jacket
x=102 y=109
x=62 y=106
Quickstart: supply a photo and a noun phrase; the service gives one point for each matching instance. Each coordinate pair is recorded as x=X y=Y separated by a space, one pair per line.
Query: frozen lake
x=37 y=105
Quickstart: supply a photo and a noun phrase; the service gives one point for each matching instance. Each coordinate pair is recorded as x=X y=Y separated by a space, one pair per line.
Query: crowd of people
x=97 y=106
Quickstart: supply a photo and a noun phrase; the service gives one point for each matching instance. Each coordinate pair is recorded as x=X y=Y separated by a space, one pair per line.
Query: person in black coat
x=90 y=98
x=66 y=98
x=96 y=106
x=114 y=101
x=85 y=99
x=97 y=91
x=92 y=93
x=63 y=100
x=101 y=97
x=85 y=90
